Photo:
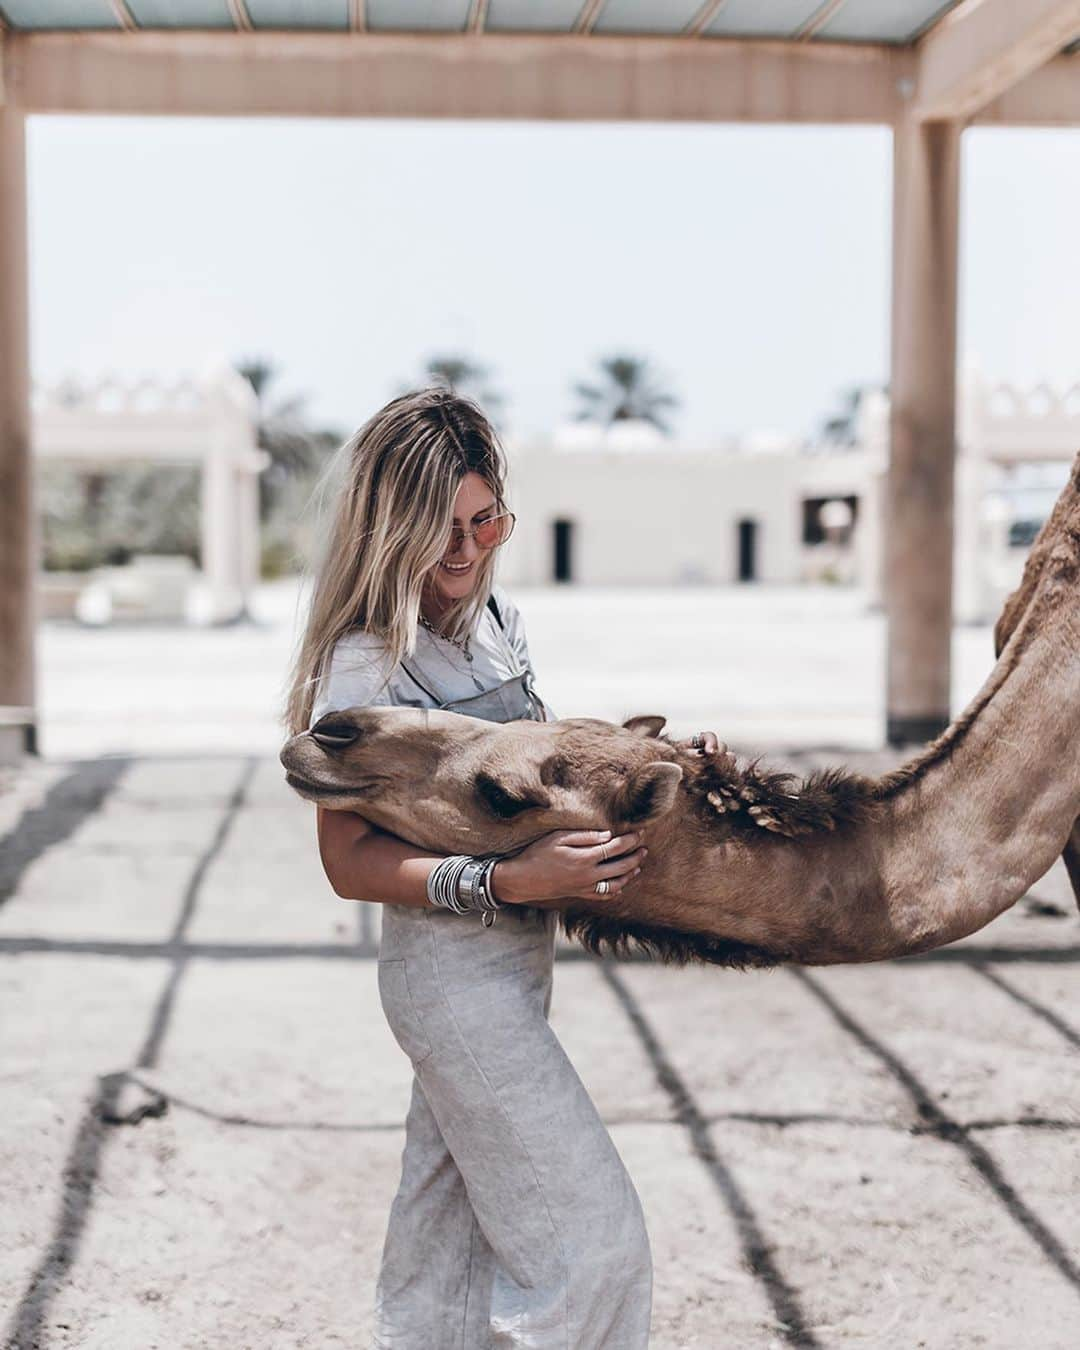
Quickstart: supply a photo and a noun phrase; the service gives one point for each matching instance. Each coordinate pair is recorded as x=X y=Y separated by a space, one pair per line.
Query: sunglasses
x=489 y=533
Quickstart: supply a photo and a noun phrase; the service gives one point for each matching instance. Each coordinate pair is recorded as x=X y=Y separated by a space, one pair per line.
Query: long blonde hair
x=397 y=478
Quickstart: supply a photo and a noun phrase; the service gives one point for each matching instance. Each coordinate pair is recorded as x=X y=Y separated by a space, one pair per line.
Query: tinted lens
x=495 y=531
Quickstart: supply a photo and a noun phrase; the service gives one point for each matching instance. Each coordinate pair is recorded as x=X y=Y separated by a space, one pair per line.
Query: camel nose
x=333 y=735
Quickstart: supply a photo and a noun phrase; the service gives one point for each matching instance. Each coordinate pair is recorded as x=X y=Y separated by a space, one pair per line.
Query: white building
x=624 y=506
x=211 y=423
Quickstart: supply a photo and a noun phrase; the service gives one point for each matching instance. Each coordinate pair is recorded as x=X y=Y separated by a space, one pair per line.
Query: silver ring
x=603 y=852
x=602 y=887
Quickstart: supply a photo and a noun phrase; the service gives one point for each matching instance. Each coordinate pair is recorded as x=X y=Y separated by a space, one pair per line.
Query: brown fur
x=1016 y=606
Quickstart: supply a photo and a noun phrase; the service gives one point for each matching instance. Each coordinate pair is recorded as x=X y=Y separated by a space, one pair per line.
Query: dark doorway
x=563 y=552
x=747 y=550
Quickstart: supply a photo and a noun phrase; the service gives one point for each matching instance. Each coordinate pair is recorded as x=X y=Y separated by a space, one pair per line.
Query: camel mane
x=606 y=935
x=752 y=799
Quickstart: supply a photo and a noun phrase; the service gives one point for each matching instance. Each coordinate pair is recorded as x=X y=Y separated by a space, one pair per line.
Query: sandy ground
x=203 y=1105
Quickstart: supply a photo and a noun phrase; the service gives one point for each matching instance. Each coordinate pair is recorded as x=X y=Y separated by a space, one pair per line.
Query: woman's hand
x=705 y=743
x=568 y=863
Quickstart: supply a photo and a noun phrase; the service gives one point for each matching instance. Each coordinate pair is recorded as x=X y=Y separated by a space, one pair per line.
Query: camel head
x=444 y=780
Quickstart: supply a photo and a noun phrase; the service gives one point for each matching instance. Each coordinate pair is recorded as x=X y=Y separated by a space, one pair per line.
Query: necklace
x=461 y=645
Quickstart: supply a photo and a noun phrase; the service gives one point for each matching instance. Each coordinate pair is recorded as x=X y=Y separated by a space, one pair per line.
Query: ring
x=697 y=741
x=603 y=852
x=602 y=887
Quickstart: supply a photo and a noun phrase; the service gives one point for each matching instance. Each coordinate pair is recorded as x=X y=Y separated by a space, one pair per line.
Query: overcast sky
x=750 y=264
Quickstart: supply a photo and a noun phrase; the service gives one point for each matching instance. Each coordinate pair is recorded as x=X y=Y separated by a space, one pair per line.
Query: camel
x=750 y=867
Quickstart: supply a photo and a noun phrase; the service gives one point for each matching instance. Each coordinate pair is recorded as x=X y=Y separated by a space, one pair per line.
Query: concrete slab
x=268 y=885
x=603 y=1048
x=286 y=1043
x=106 y=883
x=65 y=1021
x=748 y=1043
x=889 y=1243
x=214 y=1235
x=704 y=1293
x=977 y=1054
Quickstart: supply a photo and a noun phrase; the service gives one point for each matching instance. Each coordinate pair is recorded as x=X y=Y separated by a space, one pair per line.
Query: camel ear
x=648 y=794
x=645 y=726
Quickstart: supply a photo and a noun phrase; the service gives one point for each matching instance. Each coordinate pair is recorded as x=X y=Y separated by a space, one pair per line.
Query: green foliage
x=463 y=375
x=297 y=449
x=627 y=387
x=89 y=519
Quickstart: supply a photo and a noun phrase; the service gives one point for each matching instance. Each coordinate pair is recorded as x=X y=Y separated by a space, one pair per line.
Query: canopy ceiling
x=896 y=22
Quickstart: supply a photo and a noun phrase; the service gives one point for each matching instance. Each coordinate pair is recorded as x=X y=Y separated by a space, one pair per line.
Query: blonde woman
x=515 y=1222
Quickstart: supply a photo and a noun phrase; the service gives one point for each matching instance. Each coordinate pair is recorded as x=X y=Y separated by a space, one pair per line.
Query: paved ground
x=203 y=1105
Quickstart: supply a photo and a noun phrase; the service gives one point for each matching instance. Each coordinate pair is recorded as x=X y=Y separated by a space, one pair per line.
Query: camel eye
x=503 y=803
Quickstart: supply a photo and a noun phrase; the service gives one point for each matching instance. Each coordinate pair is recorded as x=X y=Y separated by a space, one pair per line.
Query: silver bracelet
x=462 y=884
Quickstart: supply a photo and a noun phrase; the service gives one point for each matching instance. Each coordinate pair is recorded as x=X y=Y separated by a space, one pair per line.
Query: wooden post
x=919 y=492
x=18 y=561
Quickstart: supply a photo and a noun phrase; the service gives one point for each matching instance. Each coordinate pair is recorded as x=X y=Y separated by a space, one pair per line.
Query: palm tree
x=295 y=447
x=628 y=388
x=464 y=376
x=841 y=426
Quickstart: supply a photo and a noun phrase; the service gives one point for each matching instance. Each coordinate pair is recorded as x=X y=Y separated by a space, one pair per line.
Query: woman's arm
x=362 y=862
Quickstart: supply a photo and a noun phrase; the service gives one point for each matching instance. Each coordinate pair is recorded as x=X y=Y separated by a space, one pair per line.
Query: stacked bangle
x=463 y=884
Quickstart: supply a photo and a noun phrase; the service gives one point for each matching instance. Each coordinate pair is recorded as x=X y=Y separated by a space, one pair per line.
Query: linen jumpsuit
x=515 y=1222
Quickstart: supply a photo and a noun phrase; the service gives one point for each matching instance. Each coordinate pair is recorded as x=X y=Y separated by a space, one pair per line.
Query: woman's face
x=455 y=576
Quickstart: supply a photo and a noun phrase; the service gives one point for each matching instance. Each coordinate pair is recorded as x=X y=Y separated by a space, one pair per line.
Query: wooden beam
x=238 y=12
x=510 y=76
x=1048 y=98
x=357 y=16
x=18 y=525
x=705 y=15
x=919 y=490
x=123 y=15
x=818 y=20
x=477 y=16
x=985 y=47
x=590 y=12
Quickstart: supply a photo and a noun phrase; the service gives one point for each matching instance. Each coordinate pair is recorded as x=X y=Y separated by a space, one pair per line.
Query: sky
x=749 y=264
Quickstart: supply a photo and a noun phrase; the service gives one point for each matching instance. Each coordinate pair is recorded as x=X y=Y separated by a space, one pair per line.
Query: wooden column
x=919 y=491
x=17 y=524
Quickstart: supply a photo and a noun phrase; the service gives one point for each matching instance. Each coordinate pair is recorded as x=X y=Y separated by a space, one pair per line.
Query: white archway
x=210 y=422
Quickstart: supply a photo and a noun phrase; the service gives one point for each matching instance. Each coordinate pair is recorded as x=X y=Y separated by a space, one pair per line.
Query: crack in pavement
x=1069 y=1034
x=939 y=1123
x=357 y=951
x=757 y=1250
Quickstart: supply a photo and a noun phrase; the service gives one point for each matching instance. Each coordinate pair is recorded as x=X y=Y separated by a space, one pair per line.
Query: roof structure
x=822 y=61
x=884 y=21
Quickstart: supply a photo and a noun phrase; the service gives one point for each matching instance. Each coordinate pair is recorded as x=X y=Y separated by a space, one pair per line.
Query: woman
x=515 y=1222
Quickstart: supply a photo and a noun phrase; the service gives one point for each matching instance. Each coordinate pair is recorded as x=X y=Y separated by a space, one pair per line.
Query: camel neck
x=953 y=840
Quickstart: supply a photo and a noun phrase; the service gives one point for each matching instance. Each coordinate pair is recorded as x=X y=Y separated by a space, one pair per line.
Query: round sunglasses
x=489 y=533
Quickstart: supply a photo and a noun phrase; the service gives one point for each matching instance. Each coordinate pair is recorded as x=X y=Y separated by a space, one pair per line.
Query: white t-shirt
x=359 y=674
